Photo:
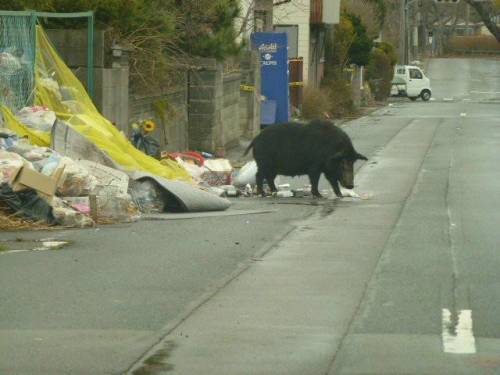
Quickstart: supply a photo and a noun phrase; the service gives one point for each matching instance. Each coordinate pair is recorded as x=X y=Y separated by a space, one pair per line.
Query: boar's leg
x=259 y=177
x=336 y=189
x=335 y=186
x=314 y=179
x=270 y=181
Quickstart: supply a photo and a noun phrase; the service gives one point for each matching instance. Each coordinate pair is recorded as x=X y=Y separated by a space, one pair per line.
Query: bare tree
x=248 y=8
x=367 y=13
x=489 y=12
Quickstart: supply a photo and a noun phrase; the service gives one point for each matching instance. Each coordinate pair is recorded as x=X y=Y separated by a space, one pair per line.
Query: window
x=415 y=74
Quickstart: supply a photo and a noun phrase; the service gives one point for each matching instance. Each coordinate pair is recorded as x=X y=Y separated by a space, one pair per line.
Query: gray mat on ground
x=190 y=198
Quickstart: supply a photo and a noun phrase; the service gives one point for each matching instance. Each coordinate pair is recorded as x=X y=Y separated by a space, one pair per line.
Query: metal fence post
x=90 y=55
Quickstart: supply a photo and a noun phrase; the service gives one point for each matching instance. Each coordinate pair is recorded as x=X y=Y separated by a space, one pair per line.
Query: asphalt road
x=433 y=302
x=404 y=282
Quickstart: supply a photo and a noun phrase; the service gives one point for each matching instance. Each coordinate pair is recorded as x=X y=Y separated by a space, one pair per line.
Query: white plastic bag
x=246 y=175
x=37 y=117
x=192 y=169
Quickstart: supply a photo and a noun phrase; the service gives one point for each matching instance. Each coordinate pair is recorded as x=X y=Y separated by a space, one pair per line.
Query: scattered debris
x=183 y=216
x=25 y=245
x=217 y=172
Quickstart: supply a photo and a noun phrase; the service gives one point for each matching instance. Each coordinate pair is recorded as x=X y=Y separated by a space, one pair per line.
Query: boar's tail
x=248 y=148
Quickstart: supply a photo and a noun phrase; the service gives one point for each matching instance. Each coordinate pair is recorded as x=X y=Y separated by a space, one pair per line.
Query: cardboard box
x=27 y=177
x=217 y=172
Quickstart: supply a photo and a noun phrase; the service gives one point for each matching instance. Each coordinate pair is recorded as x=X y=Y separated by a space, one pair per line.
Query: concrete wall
x=110 y=93
x=110 y=83
x=250 y=95
x=214 y=107
x=230 y=110
x=169 y=110
x=297 y=13
x=205 y=98
x=71 y=45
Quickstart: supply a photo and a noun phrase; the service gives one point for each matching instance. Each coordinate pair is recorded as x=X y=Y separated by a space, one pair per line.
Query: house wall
x=297 y=13
x=246 y=23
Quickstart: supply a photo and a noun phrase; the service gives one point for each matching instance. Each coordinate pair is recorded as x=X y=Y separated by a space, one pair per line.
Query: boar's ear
x=332 y=161
x=360 y=157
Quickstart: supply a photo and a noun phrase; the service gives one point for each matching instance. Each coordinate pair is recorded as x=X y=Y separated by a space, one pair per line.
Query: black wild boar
x=294 y=149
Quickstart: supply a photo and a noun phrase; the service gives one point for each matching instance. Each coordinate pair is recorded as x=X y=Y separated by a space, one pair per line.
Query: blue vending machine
x=273 y=53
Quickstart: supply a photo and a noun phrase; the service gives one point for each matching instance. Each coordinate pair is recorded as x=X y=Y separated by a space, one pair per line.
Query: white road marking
x=463 y=114
x=485 y=92
x=458 y=336
x=448 y=99
x=13 y=251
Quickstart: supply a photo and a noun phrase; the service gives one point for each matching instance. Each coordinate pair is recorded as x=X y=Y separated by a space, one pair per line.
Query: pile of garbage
x=221 y=178
x=42 y=186
x=39 y=184
x=63 y=163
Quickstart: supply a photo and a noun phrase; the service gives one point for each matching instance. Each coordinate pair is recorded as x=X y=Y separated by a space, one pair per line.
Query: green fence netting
x=17 y=51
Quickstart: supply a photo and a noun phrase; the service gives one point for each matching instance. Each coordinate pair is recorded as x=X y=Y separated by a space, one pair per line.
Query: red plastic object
x=188 y=155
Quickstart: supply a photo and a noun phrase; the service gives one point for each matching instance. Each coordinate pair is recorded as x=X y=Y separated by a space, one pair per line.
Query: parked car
x=410 y=81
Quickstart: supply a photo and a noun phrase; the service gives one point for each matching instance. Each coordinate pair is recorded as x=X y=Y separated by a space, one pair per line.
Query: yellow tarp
x=57 y=88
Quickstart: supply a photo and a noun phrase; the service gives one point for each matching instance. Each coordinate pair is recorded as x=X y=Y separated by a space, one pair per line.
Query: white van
x=410 y=81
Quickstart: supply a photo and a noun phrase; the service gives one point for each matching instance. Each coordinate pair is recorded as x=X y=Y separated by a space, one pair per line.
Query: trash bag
x=146 y=144
x=27 y=203
x=246 y=174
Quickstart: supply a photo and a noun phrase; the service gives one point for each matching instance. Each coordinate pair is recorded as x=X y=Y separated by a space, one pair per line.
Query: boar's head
x=340 y=168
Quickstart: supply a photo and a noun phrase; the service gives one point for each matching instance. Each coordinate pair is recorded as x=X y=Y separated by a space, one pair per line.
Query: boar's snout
x=347 y=176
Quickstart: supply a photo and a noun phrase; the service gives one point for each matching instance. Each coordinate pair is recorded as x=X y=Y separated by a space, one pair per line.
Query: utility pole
x=402 y=33
x=467 y=19
x=406 y=34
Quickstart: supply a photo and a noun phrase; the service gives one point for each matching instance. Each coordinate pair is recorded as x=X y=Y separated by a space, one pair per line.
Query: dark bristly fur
x=295 y=149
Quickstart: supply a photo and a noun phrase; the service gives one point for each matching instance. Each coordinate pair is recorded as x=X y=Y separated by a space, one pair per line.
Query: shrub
x=359 y=51
x=474 y=42
x=388 y=49
x=315 y=104
x=337 y=47
x=379 y=73
x=340 y=96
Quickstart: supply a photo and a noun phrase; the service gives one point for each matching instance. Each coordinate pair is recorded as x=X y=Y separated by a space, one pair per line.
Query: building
x=305 y=22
